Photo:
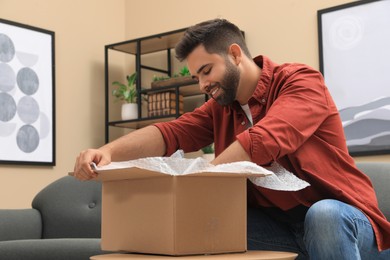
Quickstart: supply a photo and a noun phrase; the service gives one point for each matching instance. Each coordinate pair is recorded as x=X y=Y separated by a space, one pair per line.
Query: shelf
x=138 y=47
x=150 y=44
x=139 y=123
x=185 y=90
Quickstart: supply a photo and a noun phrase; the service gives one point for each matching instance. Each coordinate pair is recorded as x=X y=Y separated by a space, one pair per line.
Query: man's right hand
x=82 y=168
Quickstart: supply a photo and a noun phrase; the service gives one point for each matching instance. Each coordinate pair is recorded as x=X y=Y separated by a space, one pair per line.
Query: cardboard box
x=149 y=212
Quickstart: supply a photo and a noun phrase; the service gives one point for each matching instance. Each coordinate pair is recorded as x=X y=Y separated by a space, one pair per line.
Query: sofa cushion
x=20 y=224
x=70 y=208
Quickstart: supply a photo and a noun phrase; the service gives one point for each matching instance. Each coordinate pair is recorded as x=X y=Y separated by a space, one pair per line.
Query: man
x=264 y=112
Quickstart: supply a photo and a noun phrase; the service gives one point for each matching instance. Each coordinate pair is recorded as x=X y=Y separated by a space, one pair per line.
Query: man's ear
x=236 y=53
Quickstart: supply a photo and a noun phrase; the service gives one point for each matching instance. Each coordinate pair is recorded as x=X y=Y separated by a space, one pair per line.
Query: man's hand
x=144 y=142
x=83 y=170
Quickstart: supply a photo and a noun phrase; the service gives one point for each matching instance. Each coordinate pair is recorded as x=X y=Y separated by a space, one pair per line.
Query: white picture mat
x=356 y=53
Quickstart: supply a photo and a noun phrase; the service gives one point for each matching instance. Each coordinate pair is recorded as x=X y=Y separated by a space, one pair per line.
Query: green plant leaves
x=183 y=72
x=127 y=93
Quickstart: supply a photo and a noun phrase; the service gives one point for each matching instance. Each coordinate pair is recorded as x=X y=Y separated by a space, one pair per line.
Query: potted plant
x=183 y=78
x=208 y=152
x=128 y=94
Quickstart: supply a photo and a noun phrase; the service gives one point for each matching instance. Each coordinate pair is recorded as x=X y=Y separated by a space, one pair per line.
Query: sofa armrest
x=20 y=224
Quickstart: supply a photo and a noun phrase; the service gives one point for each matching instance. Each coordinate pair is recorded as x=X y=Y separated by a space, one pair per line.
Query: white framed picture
x=27 y=94
x=354 y=49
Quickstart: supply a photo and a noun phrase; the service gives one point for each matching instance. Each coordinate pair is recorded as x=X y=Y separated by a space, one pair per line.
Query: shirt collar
x=264 y=82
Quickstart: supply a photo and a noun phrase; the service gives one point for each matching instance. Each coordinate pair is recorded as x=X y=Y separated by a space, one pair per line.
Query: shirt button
x=243 y=123
x=263 y=100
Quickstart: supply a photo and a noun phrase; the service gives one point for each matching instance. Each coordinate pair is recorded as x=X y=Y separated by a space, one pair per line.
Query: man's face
x=217 y=75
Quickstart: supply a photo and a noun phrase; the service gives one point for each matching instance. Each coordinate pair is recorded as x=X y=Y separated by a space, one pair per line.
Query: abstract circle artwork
x=7 y=50
x=28 y=81
x=26 y=94
x=27 y=138
x=7 y=107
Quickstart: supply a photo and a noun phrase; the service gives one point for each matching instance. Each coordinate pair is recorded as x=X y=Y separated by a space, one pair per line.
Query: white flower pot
x=129 y=111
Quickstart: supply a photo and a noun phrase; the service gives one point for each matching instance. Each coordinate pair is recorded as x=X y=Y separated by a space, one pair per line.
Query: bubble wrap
x=276 y=177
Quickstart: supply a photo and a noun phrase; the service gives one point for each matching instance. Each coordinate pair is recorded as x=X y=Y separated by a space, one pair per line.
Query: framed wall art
x=354 y=51
x=27 y=97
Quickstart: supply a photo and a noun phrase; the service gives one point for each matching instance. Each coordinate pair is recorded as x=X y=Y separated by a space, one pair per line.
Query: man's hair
x=216 y=36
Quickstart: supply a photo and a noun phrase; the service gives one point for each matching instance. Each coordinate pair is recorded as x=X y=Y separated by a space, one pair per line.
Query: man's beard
x=228 y=86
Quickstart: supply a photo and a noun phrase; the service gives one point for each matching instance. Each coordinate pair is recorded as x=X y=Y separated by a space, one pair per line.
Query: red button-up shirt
x=296 y=124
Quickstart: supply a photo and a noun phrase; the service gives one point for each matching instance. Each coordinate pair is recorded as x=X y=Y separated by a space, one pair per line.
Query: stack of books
x=164 y=103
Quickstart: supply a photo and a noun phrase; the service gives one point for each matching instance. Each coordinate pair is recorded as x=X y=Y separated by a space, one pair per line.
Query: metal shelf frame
x=138 y=47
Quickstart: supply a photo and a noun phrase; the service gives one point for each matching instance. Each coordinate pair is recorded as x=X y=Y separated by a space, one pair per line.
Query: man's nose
x=204 y=86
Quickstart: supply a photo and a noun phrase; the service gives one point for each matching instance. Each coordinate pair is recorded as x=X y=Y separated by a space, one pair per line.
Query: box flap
x=127 y=174
x=223 y=174
x=278 y=178
x=139 y=173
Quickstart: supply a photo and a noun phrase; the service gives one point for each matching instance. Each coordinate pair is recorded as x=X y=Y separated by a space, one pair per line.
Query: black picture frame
x=354 y=54
x=27 y=94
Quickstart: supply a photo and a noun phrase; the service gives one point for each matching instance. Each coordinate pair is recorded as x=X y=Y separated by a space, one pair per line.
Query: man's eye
x=207 y=71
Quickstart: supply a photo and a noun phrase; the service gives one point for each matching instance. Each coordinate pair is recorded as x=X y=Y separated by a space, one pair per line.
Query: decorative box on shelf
x=164 y=103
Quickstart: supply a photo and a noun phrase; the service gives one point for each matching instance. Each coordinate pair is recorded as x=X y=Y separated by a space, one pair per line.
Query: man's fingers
x=82 y=168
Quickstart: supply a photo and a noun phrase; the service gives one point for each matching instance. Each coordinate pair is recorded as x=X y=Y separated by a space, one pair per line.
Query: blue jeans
x=331 y=230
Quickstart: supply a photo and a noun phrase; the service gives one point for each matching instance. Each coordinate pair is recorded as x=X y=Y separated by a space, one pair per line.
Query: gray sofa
x=63 y=223
x=65 y=219
x=379 y=173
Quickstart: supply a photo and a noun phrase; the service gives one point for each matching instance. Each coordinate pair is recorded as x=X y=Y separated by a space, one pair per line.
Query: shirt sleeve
x=299 y=105
x=190 y=132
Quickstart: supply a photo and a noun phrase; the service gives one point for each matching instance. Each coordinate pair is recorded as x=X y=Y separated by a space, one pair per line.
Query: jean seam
x=356 y=221
x=365 y=222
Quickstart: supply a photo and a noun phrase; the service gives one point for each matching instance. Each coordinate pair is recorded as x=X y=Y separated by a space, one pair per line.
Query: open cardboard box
x=150 y=212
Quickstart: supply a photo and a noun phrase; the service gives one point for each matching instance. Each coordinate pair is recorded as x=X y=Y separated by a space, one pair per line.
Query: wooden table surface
x=249 y=255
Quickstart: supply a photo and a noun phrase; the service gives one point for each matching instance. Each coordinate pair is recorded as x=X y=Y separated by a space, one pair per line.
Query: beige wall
x=82 y=28
x=284 y=30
